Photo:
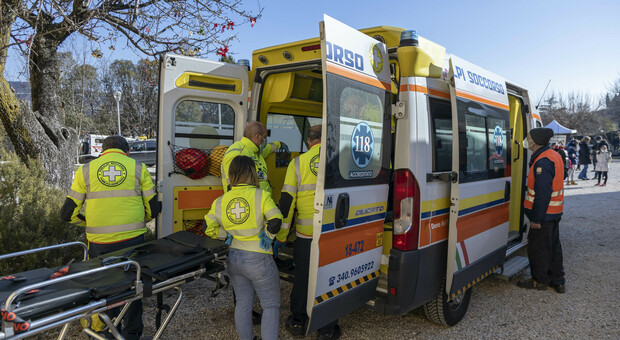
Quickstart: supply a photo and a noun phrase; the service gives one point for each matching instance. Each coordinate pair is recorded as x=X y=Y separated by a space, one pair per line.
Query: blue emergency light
x=409 y=38
x=244 y=62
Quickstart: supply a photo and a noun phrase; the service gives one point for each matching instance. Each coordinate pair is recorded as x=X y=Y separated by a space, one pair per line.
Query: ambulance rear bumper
x=414 y=278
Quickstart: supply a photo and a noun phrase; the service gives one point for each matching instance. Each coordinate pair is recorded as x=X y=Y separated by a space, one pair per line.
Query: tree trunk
x=39 y=133
x=10 y=114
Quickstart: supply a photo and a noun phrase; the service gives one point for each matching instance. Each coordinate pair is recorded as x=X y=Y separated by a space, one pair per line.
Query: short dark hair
x=315 y=132
x=115 y=142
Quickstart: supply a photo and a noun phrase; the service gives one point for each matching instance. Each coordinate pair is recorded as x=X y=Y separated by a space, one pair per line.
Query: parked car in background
x=144 y=151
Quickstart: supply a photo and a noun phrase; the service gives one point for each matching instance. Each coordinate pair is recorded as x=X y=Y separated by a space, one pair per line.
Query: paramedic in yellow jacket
x=298 y=192
x=254 y=145
x=119 y=197
x=251 y=219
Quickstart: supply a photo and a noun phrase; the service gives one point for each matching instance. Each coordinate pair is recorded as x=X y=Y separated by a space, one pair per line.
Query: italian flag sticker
x=462 y=260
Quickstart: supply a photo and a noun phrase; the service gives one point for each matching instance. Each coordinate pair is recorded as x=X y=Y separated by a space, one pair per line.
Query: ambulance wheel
x=447 y=312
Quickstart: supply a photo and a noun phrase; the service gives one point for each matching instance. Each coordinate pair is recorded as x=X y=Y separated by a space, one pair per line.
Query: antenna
x=543 y=95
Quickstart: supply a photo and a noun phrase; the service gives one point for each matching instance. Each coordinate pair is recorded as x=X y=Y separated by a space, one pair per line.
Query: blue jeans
x=584 y=172
x=255 y=272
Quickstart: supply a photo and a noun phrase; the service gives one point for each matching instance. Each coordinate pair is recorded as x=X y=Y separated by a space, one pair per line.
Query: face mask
x=526 y=144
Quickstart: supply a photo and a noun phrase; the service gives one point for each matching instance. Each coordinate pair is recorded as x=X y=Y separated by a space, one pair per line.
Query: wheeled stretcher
x=41 y=299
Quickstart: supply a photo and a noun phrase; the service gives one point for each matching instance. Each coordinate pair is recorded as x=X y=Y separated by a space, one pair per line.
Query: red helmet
x=194 y=163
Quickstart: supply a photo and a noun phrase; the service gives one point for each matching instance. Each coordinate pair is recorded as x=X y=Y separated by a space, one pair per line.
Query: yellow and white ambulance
x=421 y=174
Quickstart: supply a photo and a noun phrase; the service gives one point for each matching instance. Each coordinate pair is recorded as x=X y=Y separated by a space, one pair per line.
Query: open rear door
x=202 y=105
x=480 y=194
x=352 y=183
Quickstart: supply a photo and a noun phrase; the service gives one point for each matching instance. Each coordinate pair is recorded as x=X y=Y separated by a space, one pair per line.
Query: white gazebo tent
x=559 y=132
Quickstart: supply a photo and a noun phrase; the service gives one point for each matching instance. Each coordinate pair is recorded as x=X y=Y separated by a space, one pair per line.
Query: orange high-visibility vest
x=556 y=205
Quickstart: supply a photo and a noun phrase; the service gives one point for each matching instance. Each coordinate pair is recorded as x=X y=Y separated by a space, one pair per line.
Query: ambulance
x=91 y=147
x=422 y=170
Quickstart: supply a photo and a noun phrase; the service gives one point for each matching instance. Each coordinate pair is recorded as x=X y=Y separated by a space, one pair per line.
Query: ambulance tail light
x=406 y=210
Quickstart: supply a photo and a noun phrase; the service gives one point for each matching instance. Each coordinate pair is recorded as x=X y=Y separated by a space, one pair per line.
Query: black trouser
x=132 y=321
x=603 y=174
x=299 y=293
x=544 y=251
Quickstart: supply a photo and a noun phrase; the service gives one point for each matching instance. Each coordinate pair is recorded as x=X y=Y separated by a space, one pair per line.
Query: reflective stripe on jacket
x=116 y=191
x=246 y=147
x=556 y=201
x=300 y=183
x=243 y=213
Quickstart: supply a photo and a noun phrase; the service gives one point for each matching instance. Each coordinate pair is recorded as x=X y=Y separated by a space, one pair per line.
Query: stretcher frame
x=64 y=318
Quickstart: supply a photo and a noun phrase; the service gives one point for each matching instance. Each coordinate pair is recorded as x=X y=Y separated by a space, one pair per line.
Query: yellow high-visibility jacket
x=244 y=212
x=298 y=192
x=246 y=147
x=118 y=194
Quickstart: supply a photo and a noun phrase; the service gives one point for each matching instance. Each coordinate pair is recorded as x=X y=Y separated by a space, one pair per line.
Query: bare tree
x=612 y=103
x=575 y=110
x=39 y=27
x=138 y=86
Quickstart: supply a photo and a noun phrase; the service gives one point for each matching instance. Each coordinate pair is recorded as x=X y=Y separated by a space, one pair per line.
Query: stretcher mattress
x=160 y=260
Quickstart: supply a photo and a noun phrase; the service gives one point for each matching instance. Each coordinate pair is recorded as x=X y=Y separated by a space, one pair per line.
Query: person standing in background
x=599 y=142
x=602 y=166
x=571 y=149
x=584 y=157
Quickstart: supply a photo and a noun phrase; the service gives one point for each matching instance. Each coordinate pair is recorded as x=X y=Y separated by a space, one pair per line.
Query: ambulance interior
x=290 y=101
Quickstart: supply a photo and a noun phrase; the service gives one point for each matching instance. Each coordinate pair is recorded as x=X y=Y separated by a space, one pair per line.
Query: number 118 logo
x=362 y=144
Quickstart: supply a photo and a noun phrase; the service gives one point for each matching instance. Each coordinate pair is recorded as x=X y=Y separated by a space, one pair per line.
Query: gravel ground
x=499 y=309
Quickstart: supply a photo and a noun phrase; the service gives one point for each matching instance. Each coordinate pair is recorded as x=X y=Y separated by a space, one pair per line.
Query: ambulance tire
x=444 y=312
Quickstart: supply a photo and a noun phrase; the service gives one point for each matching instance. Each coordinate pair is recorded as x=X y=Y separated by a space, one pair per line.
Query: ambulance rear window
x=203 y=125
x=361 y=126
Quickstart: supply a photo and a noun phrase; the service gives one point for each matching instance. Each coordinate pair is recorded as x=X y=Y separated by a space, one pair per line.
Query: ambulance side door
x=352 y=183
x=202 y=104
x=481 y=157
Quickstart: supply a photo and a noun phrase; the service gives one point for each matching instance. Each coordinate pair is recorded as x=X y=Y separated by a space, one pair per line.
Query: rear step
x=382 y=285
x=512 y=267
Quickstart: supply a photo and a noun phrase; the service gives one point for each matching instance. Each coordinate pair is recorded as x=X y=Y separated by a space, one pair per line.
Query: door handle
x=507 y=191
x=518 y=151
x=342 y=211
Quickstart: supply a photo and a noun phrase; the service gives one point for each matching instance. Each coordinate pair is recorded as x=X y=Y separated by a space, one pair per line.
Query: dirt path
x=590 y=235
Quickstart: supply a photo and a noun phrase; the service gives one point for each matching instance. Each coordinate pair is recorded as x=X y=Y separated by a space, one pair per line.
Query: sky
x=575 y=44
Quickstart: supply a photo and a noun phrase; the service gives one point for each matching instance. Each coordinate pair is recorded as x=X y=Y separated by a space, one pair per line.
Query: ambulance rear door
x=480 y=194
x=202 y=105
x=352 y=183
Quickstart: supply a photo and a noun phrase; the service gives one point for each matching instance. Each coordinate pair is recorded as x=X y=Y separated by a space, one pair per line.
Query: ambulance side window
x=203 y=125
x=441 y=121
x=476 y=143
x=484 y=141
x=497 y=130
